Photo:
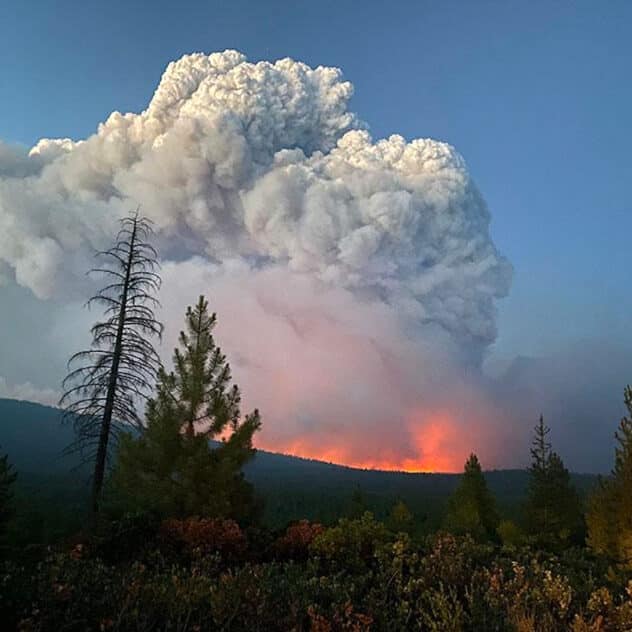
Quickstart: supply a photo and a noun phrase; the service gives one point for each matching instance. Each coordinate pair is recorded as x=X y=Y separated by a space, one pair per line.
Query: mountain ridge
x=292 y=487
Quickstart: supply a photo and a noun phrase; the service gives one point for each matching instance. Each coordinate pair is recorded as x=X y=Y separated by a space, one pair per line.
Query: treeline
x=552 y=515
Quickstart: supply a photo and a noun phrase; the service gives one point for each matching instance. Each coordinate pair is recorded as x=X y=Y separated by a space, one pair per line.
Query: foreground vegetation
x=198 y=574
x=179 y=544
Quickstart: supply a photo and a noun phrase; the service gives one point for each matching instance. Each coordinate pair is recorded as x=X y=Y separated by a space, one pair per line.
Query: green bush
x=356 y=575
x=124 y=539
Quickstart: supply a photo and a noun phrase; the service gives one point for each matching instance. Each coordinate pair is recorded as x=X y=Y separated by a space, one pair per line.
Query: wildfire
x=435 y=441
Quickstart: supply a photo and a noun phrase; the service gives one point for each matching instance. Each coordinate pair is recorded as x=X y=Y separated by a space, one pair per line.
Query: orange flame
x=436 y=442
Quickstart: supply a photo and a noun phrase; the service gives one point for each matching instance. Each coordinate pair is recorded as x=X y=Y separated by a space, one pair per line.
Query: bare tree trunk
x=104 y=383
x=190 y=429
x=104 y=436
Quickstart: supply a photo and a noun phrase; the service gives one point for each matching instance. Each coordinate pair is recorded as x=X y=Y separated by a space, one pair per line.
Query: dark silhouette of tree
x=541 y=448
x=7 y=478
x=105 y=382
x=358 y=504
x=539 y=508
x=553 y=512
x=400 y=519
x=609 y=515
x=472 y=508
x=173 y=468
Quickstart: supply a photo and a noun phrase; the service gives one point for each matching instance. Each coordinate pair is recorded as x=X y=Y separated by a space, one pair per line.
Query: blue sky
x=535 y=95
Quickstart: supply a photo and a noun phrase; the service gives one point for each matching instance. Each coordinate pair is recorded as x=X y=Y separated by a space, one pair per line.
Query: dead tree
x=105 y=383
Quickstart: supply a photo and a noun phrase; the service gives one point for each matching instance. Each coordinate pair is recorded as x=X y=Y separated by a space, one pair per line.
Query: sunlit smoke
x=355 y=281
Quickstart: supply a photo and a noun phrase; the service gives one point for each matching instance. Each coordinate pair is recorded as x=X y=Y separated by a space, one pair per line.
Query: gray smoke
x=355 y=280
x=262 y=162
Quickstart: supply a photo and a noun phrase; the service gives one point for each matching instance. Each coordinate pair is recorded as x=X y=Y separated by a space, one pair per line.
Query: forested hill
x=34 y=438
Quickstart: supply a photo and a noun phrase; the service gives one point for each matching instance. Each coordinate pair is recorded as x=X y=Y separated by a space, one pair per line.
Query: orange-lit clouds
x=438 y=444
x=435 y=442
x=338 y=378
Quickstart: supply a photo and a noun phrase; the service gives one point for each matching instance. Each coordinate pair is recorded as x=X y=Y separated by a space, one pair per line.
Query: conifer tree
x=472 y=508
x=541 y=448
x=358 y=504
x=105 y=381
x=553 y=508
x=400 y=519
x=173 y=469
x=609 y=515
x=539 y=504
x=7 y=478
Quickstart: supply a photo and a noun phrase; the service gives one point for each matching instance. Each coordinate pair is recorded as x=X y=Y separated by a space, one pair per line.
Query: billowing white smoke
x=28 y=393
x=261 y=183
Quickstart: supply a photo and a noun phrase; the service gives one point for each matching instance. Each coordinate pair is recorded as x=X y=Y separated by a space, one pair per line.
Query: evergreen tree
x=609 y=516
x=553 y=513
x=358 y=504
x=7 y=478
x=105 y=381
x=472 y=508
x=173 y=468
x=539 y=502
x=400 y=519
x=541 y=449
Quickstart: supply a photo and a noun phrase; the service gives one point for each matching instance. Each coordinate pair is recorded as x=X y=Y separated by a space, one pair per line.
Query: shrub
x=199 y=574
x=343 y=618
x=123 y=539
x=295 y=542
x=351 y=543
x=509 y=533
x=205 y=535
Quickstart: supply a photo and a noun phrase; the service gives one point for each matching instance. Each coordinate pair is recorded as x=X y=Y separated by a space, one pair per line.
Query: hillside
x=292 y=487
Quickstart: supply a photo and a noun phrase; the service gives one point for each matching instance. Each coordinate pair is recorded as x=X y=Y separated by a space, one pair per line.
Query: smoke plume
x=355 y=280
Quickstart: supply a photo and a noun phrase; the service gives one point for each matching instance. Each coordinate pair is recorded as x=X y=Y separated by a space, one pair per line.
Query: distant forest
x=52 y=490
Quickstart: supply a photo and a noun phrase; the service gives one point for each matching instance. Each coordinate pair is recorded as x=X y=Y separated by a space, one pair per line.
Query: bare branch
x=106 y=382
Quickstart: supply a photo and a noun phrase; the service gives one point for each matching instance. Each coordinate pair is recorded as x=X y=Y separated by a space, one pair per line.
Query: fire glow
x=436 y=442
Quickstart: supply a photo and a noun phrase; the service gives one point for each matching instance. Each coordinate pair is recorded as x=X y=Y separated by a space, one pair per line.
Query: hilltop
x=292 y=487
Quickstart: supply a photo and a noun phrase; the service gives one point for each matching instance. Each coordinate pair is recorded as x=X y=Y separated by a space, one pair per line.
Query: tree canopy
x=7 y=478
x=472 y=508
x=105 y=382
x=553 y=512
x=609 y=516
x=188 y=460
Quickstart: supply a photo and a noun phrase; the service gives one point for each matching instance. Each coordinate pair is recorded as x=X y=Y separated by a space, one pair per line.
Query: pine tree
x=7 y=478
x=553 y=508
x=358 y=504
x=173 y=469
x=609 y=516
x=541 y=448
x=472 y=508
x=105 y=381
x=201 y=380
x=400 y=519
x=539 y=503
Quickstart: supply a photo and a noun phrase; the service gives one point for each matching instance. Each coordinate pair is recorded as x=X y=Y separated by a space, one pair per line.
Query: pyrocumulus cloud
x=355 y=280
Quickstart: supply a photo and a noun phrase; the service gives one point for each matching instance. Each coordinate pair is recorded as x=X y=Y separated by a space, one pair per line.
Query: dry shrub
x=205 y=535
